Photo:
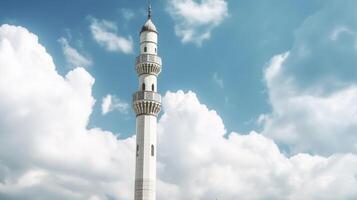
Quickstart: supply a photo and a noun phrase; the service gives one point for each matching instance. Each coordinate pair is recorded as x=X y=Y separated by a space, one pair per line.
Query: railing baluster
x=148 y=58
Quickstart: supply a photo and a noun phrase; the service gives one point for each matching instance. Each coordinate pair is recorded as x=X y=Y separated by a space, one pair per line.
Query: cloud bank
x=198 y=162
x=46 y=151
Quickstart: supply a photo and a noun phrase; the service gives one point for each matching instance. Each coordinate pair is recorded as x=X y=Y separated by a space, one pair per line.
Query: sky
x=245 y=30
x=259 y=99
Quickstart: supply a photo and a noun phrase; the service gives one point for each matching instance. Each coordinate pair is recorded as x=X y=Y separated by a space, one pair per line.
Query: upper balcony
x=147 y=95
x=150 y=58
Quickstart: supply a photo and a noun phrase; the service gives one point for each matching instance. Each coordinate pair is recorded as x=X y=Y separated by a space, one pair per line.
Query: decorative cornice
x=147 y=108
x=148 y=64
x=148 y=68
x=146 y=103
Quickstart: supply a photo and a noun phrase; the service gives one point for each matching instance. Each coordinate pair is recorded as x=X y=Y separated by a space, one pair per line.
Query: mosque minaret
x=147 y=105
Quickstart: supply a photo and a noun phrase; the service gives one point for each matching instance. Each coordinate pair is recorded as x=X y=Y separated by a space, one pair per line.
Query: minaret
x=147 y=105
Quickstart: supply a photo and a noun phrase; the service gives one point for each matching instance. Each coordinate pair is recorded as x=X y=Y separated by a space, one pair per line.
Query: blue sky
x=256 y=94
x=237 y=52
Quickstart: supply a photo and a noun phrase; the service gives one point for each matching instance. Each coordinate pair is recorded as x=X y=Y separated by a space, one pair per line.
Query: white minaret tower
x=147 y=105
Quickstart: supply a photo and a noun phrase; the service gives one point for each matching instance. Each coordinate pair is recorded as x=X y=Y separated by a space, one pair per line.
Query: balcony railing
x=148 y=58
x=147 y=95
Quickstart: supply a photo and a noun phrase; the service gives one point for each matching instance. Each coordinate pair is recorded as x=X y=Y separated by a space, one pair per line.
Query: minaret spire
x=149 y=11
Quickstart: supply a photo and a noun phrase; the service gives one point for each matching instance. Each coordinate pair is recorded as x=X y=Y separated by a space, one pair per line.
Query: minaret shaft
x=145 y=173
x=147 y=105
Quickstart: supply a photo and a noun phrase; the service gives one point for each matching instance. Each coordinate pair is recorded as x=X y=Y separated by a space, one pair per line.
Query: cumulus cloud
x=46 y=151
x=198 y=162
x=110 y=103
x=105 y=33
x=195 y=20
x=309 y=121
x=72 y=56
x=313 y=88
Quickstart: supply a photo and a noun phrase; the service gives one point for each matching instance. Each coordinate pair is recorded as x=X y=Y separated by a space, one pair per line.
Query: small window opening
x=155 y=50
x=145 y=49
x=152 y=150
x=152 y=87
x=137 y=150
x=143 y=87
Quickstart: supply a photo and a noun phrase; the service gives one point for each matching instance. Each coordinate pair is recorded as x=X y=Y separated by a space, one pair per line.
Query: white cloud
x=199 y=163
x=196 y=19
x=313 y=88
x=218 y=80
x=111 y=103
x=46 y=152
x=309 y=121
x=72 y=56
x=105 y=33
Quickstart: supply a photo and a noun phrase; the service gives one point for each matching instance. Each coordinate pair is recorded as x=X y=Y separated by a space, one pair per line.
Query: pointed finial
x=149 y=11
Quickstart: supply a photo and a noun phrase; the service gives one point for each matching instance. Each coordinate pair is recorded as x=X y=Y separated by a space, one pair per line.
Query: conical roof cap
x=149 y=26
